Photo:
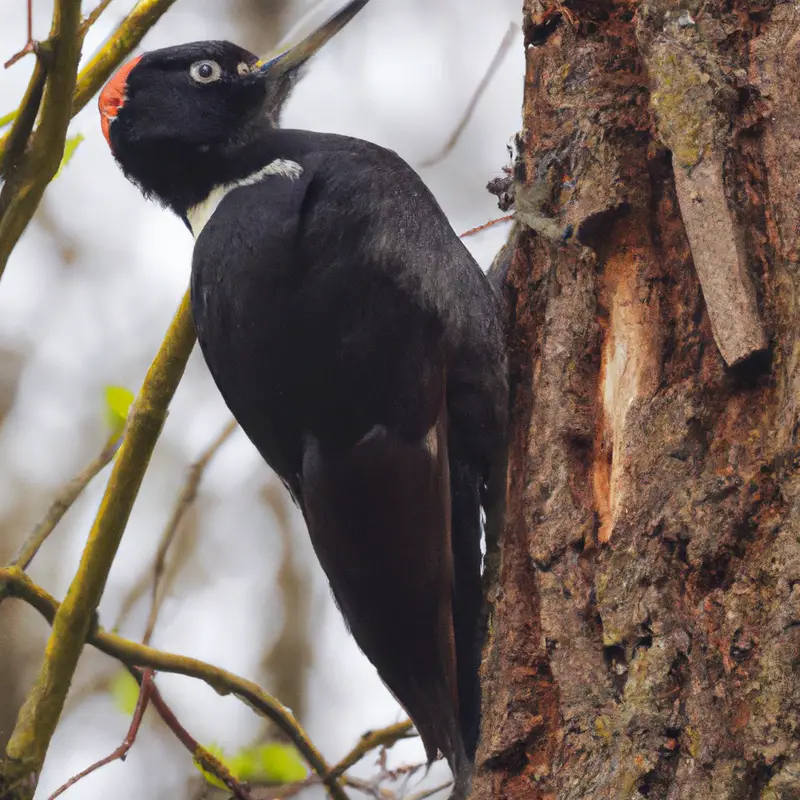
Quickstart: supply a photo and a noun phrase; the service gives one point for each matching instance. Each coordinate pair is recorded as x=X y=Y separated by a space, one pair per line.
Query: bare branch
x=369 y=788
x=41 y=711
x=121 y=752
x=63 y=501
x=158 y=578
x=18 y=584
x=184 y=502
x=481 y=88
x=30 y=45
x=149 y=692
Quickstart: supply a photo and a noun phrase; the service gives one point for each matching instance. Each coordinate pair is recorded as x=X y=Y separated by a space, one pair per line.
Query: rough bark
x=645 y=630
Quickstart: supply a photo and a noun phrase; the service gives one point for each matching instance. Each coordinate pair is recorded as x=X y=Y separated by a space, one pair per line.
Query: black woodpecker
x=355 y=340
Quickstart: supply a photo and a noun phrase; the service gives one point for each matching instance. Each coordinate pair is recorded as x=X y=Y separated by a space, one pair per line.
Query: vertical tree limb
x=22 y=192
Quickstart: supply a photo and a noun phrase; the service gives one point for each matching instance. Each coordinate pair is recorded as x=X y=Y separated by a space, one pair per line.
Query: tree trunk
x=645 y=634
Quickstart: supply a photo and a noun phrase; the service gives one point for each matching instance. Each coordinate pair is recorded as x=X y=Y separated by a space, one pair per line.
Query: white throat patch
x=200 y=214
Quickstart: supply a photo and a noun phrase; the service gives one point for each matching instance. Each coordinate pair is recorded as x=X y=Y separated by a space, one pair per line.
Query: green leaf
x=70 y=146
x=273 y=762
x=125 y=692
x=118 y=404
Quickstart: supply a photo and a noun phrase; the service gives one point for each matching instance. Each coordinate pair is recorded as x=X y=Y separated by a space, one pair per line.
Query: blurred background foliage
x=84 y=303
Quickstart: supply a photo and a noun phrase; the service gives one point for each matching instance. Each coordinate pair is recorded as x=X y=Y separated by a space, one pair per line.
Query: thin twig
x=426 y=793
x=121 y=753
x=385 y=737
x=19 y=585
x=94 y=15
x=151 y=579
x=494 y=65
x=406 y=772
x=369 y=787
x=207 y=760
x=490 y=224
x=184 y=502
x=63 y=501
x=30 y=45
x=42 y=708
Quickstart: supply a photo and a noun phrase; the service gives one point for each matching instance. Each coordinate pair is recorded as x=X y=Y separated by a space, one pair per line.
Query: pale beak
x=296 y=56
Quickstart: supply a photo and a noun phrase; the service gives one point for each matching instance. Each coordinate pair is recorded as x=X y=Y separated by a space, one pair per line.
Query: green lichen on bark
x=683 y=101
x=690 y=92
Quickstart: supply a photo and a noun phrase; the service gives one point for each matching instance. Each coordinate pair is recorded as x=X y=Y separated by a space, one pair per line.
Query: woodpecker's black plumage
x=355 y=340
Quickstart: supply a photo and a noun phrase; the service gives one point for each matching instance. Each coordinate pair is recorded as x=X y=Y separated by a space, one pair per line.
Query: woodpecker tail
x=379 y=517
x=468 y=618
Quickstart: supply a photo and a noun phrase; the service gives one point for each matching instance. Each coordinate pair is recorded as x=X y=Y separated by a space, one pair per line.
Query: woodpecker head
x=179 y=119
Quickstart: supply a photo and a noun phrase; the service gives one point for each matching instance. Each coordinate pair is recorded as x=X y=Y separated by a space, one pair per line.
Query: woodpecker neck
x=198 y=215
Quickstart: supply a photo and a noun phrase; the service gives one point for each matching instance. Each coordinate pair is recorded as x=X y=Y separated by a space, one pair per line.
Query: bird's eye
x=205 y=71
